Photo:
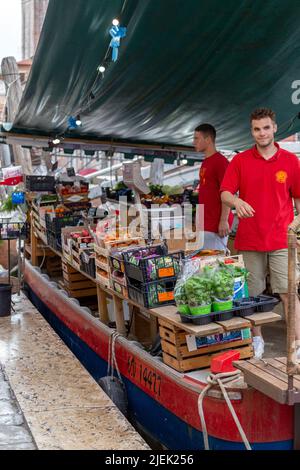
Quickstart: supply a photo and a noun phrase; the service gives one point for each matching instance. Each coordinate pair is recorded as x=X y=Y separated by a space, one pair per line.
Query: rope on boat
x=112 y=361
x=220 y=379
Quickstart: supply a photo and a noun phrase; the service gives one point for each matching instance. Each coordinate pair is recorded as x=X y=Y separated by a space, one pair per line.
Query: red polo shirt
x=211 y=175
x=268 y=186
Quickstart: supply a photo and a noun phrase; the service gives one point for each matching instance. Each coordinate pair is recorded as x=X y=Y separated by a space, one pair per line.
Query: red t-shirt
x=211 y=175
x=268 y=186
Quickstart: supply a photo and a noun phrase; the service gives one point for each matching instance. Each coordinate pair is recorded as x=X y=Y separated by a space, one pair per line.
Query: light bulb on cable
x=78 y=120
x=184 y=161
x=101 y=68
x=115 y=22
x=56 y=141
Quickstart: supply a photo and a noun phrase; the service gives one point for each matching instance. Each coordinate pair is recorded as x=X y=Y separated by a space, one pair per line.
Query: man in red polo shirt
x=217 y=216
x=267 y=179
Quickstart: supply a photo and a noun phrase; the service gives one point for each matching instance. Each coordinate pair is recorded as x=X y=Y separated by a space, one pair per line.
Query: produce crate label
x=246 y=333
x=191 y=342
x=166 y=272
x=164 y=296
x=220 y=338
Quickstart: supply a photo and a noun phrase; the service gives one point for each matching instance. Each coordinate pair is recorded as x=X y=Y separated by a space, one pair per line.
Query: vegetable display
x=198 y=287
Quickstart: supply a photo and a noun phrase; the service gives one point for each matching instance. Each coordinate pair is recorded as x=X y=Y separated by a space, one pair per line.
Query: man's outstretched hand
x=243 y=209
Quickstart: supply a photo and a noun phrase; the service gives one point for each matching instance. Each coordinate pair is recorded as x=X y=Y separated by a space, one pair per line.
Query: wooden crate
x=53 y=266
x=76 y=284
x=177 y=355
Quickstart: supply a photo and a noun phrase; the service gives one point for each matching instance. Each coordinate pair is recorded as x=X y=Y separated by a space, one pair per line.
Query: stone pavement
x=63 y=405
x=14 y=432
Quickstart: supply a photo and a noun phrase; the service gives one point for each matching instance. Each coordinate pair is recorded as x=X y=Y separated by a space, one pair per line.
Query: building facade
x=33 y=15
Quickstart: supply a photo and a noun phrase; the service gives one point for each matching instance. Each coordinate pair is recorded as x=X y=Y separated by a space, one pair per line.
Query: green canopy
x=182 y=63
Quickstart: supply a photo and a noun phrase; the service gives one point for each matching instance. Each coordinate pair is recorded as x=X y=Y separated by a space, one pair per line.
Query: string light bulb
x=78 y=120
x=184 y=161
x=56 y=141
x=101 y=68
x=115 y=22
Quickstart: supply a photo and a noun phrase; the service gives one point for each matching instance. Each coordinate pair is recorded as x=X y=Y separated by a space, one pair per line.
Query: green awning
x=182 y=62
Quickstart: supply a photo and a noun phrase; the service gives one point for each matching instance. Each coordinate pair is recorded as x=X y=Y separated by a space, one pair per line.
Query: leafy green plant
x=180 y=294
x=223 y=284
x=7 y=205
x=199 y=288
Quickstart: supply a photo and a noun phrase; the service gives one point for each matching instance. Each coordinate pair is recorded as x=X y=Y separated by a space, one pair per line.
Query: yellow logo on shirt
x=281 y=176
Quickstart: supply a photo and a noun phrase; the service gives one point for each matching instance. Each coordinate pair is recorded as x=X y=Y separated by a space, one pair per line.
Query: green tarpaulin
x=181 y=63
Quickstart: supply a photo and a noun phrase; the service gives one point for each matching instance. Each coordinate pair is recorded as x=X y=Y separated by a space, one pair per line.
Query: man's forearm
x=224 y=213
x=297 y=205
x=228 y=199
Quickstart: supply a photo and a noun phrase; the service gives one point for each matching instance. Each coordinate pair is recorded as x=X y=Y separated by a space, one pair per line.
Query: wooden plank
x=82 y=293
x=260 y=380
x=262 y=318
x=167 y=324
x=273 y=363
x=102 y=305
x=119 y=315
x=169 y=314
x=201 y=361
x=153 y=328
x=171 y=336
x=34 y=247
x=236 y=323
x=68 y=268
x=182 y=352
x=283 y=360
x=80 y=285
x=73 y=276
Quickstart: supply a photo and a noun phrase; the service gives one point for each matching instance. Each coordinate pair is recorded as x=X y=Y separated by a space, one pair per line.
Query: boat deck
x=269 y=375
x=60 y=402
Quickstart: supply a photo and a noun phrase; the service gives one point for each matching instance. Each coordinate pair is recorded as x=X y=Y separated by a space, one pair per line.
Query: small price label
x=166 y=272
x=163 y=296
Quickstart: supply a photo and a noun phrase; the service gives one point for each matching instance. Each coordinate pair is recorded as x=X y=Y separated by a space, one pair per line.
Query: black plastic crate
x=241 y=308
x=148 y=269
x=153 y=294
x=54 y=240
x=87 y=264
x=57 y=223
x=40 y=183
x=207 y=318
x=246 y=306
x=266 y=303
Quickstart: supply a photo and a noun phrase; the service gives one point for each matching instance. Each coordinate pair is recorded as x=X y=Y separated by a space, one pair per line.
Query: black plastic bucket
x=5 y=300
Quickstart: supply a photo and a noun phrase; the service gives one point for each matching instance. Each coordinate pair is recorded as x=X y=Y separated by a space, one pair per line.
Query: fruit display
x=71 y=188
x=164 y=194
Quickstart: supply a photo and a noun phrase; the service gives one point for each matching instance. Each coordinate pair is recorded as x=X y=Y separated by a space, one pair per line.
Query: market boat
x=145 y=107
x=162 y=402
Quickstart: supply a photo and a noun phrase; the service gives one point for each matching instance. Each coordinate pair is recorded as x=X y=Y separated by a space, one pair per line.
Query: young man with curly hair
x=267 y=179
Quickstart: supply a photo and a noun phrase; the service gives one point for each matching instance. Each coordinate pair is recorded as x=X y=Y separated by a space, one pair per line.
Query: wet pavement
x=14 y=432
x=61 y=403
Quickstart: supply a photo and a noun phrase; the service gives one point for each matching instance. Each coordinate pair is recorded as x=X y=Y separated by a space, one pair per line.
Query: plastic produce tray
x=242 y=308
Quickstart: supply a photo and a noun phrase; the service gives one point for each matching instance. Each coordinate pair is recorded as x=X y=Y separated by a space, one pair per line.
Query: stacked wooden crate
x=76 y=284
x=102 y=265
x=181 y=351
x=103 y=250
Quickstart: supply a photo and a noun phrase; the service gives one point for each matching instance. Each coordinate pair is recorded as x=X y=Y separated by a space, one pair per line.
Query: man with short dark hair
x=217 y=216
x=267 y=178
